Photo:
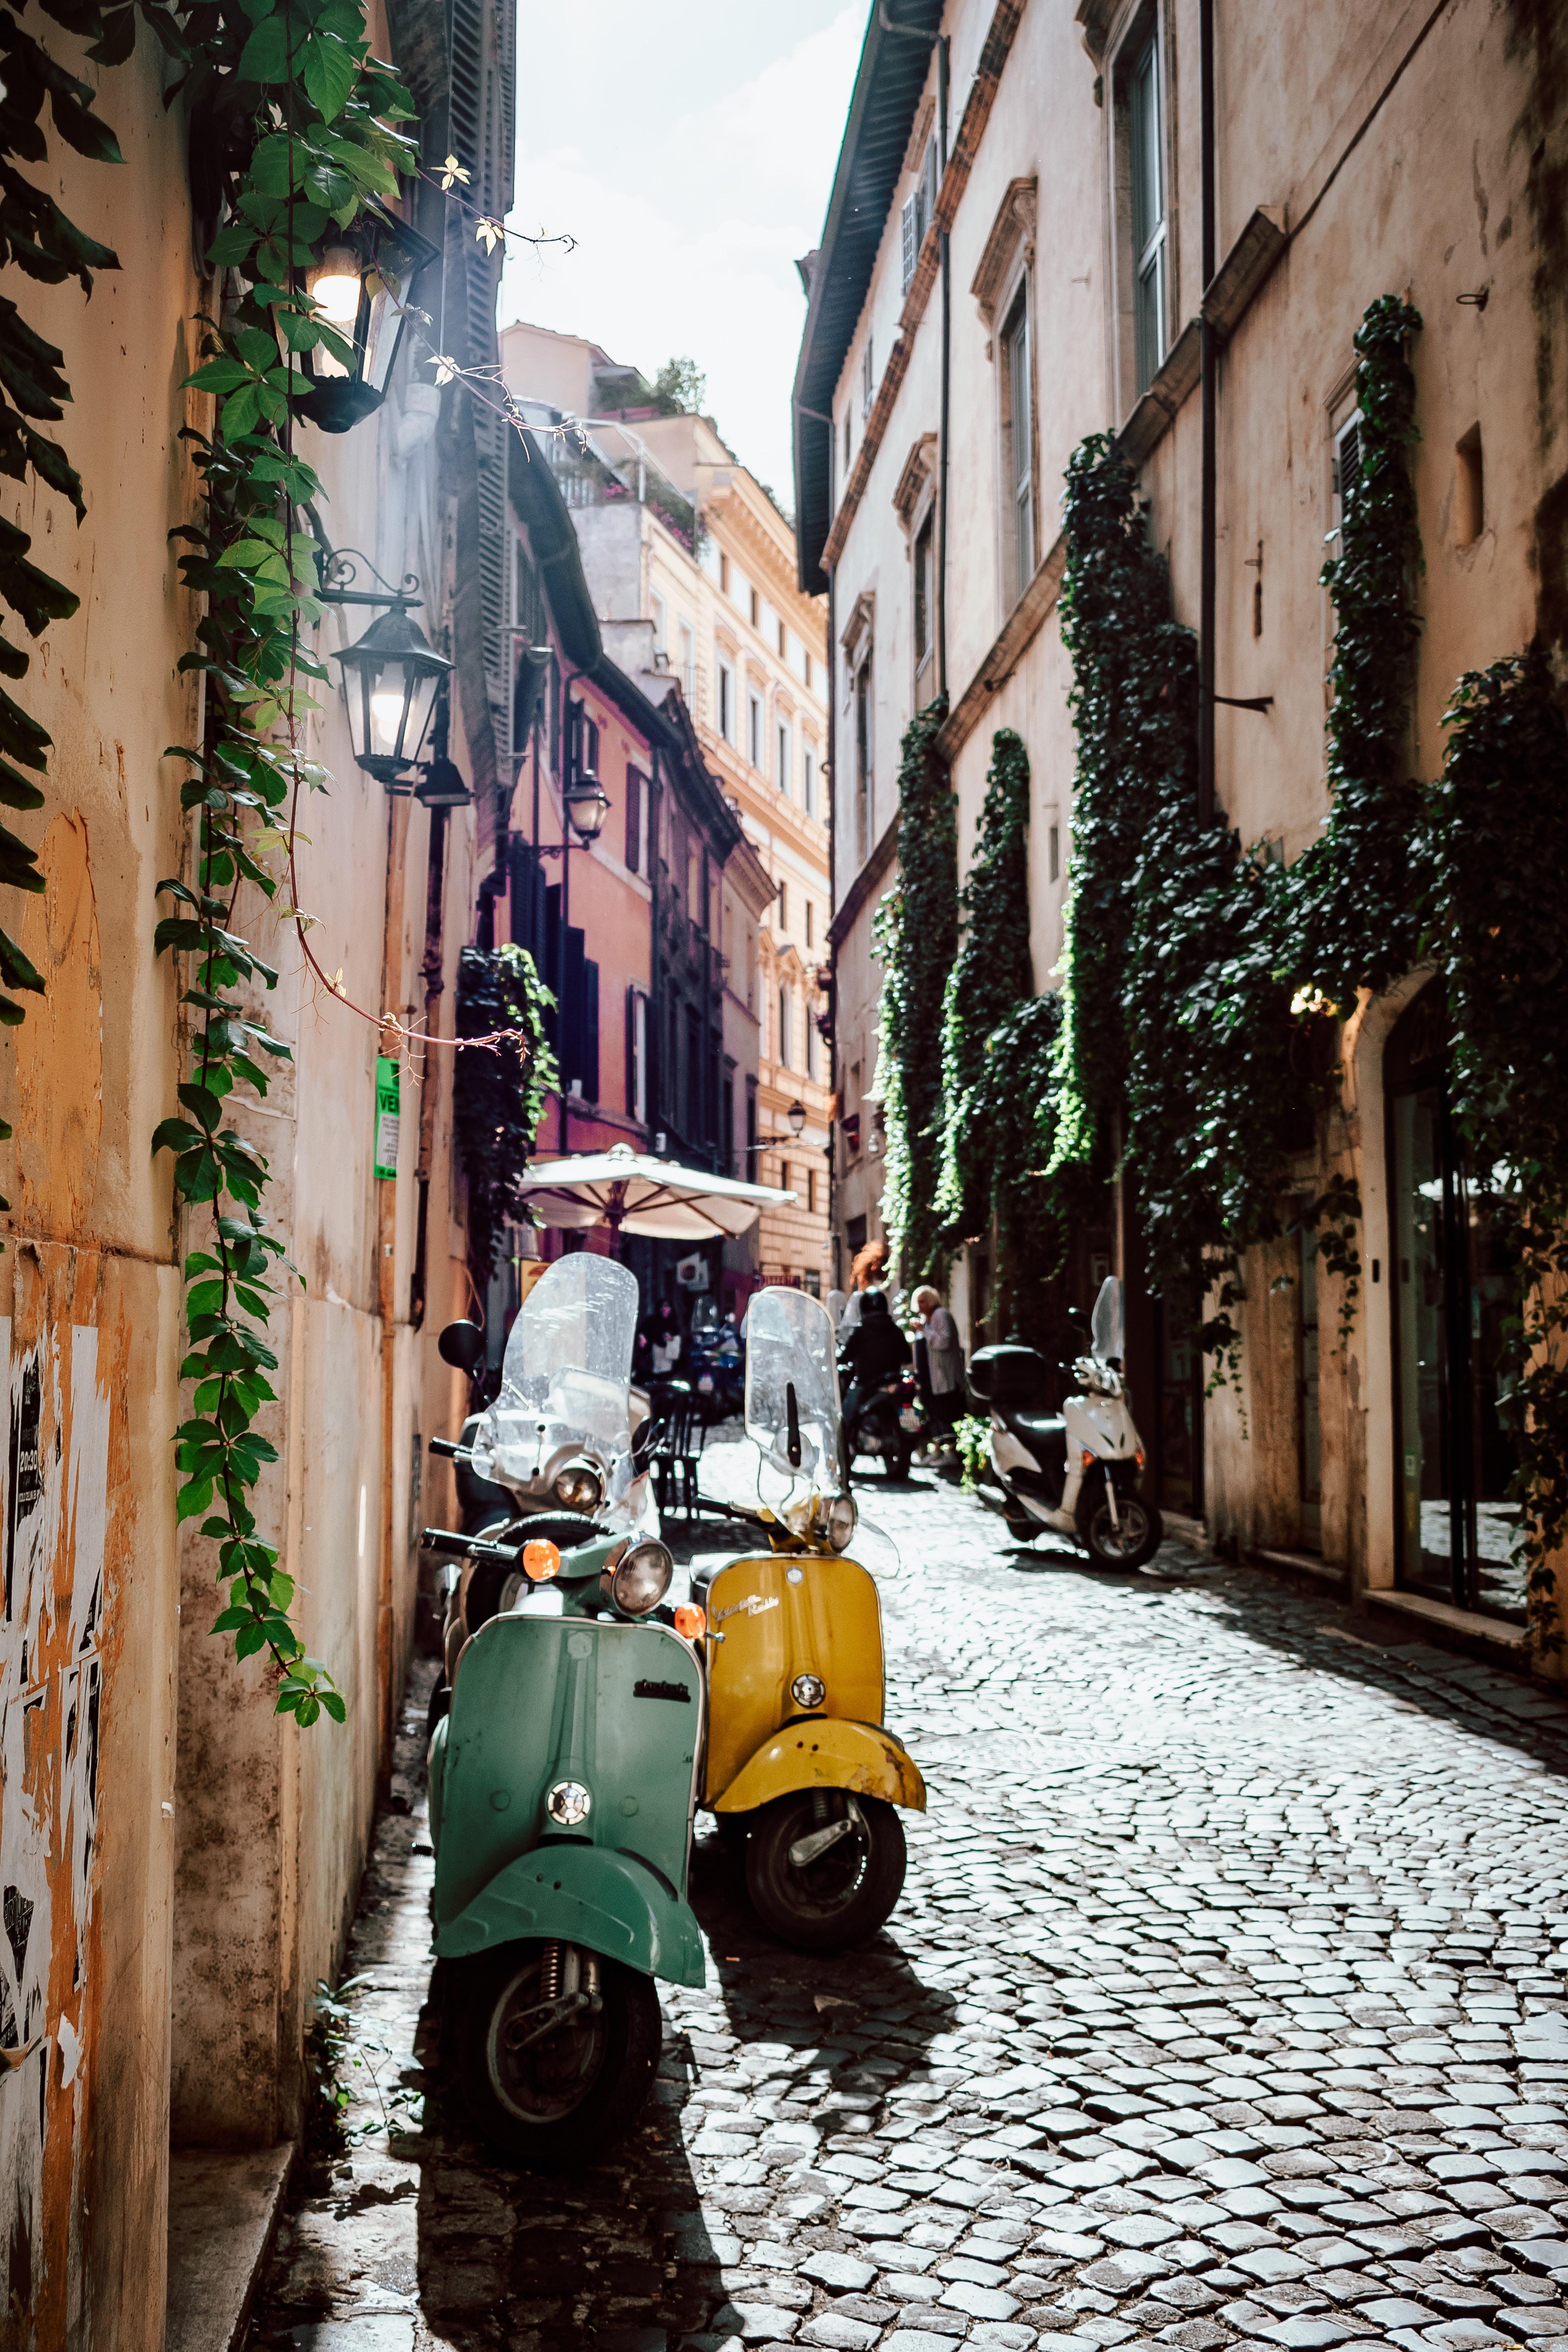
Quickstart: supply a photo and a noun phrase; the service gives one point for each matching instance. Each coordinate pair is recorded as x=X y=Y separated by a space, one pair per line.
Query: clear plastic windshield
x=1108 y=1329
x=792 y=1387
x=566 y=1380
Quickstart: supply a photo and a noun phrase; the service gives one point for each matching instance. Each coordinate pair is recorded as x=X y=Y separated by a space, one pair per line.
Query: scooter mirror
x=462 y=1345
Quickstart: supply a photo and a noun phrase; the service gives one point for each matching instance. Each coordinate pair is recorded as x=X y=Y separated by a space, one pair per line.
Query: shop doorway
x=1451 y=1293
x=1180 y=1420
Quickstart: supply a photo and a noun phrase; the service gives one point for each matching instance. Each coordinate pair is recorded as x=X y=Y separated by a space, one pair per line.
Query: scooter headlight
x=579 y=1487
x=841 y=1518
x=640 y=1578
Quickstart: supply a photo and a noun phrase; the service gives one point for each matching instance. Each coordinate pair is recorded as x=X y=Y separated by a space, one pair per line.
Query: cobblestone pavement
x=1224 y=2005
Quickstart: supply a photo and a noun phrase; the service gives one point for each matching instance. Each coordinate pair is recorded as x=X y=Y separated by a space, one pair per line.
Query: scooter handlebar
x=449 y=1447
x=445 y=1539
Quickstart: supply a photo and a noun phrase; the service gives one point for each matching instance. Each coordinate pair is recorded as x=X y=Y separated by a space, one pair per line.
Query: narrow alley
x=1223 y=2006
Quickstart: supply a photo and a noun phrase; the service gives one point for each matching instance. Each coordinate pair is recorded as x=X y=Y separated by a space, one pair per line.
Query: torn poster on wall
x=54 y=1511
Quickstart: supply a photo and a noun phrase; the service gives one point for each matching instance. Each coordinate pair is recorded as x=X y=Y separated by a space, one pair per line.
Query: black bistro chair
x=676 y=1448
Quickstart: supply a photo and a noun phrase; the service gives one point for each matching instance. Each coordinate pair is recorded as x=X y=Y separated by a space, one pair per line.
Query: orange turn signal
x=1138 y=1456
x=1087 y=1458
x=541 y=1559
x=690 y=1620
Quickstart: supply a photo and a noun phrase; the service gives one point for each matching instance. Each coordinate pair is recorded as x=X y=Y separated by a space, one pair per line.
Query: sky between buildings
x=689 y=150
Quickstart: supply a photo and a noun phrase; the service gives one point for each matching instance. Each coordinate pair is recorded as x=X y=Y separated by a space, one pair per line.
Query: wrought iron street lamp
x=442 y=786
x=796 y=1118
x=390 y=680
x=363 y=282
x=587 y=806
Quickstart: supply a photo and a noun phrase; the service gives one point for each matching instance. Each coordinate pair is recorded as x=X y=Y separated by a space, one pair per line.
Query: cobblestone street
x=1225 y=2004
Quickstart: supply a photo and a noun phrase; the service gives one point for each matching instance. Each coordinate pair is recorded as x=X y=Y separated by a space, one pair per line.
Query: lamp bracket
x=340 y=570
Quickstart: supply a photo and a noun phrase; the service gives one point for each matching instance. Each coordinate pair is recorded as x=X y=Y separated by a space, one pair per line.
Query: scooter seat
x=1046 y=1435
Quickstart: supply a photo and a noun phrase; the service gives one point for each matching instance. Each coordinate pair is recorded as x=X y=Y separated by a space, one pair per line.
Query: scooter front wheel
x=1130 y=1541
x=841 y=1891
x=554 y=2100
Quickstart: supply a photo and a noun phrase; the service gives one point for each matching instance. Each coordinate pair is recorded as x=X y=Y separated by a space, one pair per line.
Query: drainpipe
x=1210 y=363
x=946 y=374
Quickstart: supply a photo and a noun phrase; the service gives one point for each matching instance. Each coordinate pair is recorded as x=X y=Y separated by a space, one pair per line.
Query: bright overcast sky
x=689 y=150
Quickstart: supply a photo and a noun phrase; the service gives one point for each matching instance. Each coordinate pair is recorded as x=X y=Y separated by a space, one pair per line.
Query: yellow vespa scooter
x=798 y=1758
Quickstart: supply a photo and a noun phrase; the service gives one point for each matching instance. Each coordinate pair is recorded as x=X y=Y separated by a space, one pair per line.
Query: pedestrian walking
x=944 y=1362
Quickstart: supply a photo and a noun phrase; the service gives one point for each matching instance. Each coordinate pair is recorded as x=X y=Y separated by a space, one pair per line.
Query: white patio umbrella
x=632 y=1193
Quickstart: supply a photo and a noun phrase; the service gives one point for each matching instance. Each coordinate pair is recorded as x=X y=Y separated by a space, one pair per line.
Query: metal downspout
x=1209 y=364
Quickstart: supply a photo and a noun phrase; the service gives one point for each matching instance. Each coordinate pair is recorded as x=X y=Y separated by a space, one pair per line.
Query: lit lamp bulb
x=336 y=283
x=386 y=715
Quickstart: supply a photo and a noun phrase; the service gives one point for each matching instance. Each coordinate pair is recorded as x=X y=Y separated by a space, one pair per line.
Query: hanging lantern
x=363 y=280
x=587 y=806
x=442 y=786
x=390 y=680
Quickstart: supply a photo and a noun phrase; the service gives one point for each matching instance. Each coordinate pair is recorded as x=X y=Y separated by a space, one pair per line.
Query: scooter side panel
x=537 y=1700
x=826 y=1753
x=782 y=1615
x=584 y=1895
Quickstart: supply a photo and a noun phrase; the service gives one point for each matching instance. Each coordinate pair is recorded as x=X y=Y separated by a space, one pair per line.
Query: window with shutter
x=634 y=821
x=909 y=237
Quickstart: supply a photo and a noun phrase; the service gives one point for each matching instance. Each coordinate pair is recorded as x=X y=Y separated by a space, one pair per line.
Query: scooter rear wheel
x=558 y=2103
x=842 y=1897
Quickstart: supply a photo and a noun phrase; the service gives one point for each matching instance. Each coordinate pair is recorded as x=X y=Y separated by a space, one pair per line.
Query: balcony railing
x=612 y=467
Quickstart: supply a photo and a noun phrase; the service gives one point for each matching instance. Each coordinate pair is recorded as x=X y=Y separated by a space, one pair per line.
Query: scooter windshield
x=792 y=1387
x=566 y=1380
x=1107 y=1330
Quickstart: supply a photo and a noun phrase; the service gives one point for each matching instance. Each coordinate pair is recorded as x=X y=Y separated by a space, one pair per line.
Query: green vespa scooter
x=563 y=1781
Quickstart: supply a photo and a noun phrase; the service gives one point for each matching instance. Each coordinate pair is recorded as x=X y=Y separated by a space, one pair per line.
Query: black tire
x=846 y=1894
x=562 y=2105
x=1129 y=1545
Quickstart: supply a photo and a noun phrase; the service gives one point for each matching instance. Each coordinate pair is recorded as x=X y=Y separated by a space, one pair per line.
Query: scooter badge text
x=754 y=1605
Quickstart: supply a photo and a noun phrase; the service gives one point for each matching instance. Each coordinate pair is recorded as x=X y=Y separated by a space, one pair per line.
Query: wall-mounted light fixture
x=363 y=280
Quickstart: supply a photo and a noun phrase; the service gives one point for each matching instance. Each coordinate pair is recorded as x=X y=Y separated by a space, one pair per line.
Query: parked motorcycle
x=1079 y=1472
x=563 y=1781
x=716 y=1368
x=887 y=1423
x=799 y=1761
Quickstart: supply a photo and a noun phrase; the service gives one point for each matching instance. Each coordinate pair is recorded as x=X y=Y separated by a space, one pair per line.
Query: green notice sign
x=388 y=1105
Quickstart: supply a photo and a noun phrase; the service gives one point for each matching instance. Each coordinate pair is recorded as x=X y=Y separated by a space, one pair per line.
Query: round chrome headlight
x=579 y=1487
x=640 y=1578
x=808 y=1690
x=841 y=1518
x=568 y=1803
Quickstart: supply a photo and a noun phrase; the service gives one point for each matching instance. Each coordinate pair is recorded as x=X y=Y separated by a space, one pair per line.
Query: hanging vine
x=298 y=126
x=1203 y=985
x=990 y=976
x=1496 y=930
x=916 y=940
x=497 y=1097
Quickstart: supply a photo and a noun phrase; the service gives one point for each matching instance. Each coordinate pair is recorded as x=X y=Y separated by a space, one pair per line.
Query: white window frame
x=784 y=745
x=808 y=780
x=754 y=736
x=1149 y=256
x=1017 y=484
x=726 y=700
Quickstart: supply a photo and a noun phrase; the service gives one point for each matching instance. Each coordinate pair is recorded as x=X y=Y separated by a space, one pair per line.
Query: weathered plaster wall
x=88 y=1294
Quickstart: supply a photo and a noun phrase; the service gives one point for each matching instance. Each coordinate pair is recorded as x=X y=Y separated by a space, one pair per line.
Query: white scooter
x=1079 y=1473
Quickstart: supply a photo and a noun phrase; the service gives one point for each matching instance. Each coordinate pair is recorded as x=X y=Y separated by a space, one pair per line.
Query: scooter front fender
x=826 y=1752
x=586 y=1894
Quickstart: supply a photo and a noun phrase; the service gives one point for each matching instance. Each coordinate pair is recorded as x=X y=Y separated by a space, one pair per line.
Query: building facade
x=692 y=569
x=1040 y=230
